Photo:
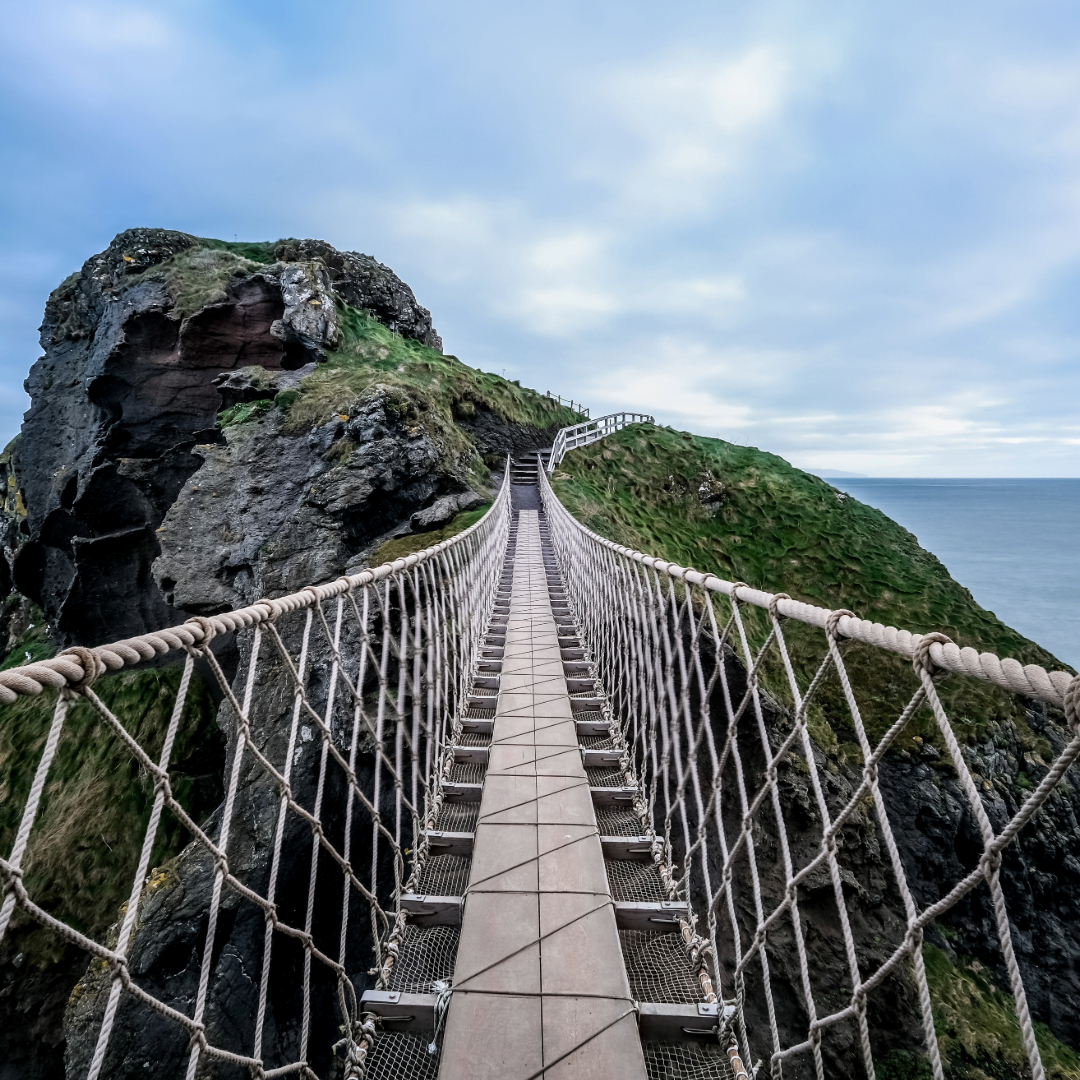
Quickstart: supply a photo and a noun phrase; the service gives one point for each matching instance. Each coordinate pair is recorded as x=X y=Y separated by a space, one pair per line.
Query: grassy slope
x=442 y=388
x=784 y=530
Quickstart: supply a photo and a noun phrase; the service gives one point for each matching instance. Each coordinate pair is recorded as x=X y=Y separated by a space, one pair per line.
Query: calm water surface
x=1013 y=543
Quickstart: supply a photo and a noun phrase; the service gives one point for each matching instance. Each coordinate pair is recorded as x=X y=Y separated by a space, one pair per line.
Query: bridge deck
x=540 y=988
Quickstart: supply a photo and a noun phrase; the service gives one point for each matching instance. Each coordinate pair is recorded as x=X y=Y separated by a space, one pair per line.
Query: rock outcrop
x=134 y=344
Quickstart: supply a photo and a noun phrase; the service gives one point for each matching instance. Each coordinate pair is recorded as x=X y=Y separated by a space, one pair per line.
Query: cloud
x=678 y=126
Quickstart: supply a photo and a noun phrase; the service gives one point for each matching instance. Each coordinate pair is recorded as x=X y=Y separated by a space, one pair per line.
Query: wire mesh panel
x=714 y=689
x=658 y=968
x=400 y=1056
x=252 y=947
x=686 y=1061
x=635 y=881
x=427 y=956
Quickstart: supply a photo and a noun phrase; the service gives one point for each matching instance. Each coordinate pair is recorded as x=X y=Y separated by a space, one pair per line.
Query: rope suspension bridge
x=521 y=817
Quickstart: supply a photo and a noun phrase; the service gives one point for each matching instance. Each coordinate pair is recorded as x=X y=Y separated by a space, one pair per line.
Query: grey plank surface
x=540 y=988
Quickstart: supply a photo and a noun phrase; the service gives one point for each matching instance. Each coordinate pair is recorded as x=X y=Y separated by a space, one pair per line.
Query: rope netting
x=342 y=716
x=712 y=726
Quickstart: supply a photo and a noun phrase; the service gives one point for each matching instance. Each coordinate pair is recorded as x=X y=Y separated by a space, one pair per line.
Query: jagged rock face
x=126 y=390
x=269 y=512
x=364 y=283
x=128 y=507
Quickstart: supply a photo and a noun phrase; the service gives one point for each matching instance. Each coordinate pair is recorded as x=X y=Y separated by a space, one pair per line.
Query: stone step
x=477 y=727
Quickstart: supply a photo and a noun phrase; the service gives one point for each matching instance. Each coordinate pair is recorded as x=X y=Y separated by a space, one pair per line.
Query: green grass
x=977 y=1028
x=784 y=530
x=84 y=848
x=258 y=251
x=440 y=388
x=200 y=276
x=406 y=545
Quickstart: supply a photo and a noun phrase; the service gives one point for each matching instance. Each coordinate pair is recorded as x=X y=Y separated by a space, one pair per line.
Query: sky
x=846 y=233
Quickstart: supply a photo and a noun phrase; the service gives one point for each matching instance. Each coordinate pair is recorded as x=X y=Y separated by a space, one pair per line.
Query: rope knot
x=991 y=862
x=735 y=593
x=91 y=664
x=832 y=623
x=774 y=609
x=273 y=606
x=921 y=659
x=209 y=630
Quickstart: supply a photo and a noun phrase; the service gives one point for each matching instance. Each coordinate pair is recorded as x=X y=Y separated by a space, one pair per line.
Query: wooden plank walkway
x=540 y=987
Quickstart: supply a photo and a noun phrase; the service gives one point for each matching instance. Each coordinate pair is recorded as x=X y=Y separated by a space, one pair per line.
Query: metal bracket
x=432 y=910
x=662 y=918
x=450 y=843
x=401 y=1012
x=613 y=796
x=677 y=1023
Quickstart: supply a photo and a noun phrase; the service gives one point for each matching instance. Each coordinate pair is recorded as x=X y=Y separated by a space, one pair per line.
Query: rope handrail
x=568 y=438
x=72 y=667
x=708 y=763
x=1009 y=674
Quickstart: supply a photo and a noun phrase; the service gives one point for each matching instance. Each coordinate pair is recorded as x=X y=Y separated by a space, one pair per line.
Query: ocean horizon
x=1012 y=542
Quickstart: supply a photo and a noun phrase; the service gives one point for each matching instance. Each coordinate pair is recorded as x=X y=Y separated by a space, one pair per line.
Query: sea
x=1014 y=543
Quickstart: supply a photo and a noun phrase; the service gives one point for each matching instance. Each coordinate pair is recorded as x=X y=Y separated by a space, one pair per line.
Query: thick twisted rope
x=1028 y=679
x=69 y=668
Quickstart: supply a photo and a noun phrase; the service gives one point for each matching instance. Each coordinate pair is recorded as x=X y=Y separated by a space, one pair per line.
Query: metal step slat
x=427 y=910
x=450 y=843
x=613 y=796
x=474 y=755
x=627 y=848
x=660 y=918
x=675 y=1023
